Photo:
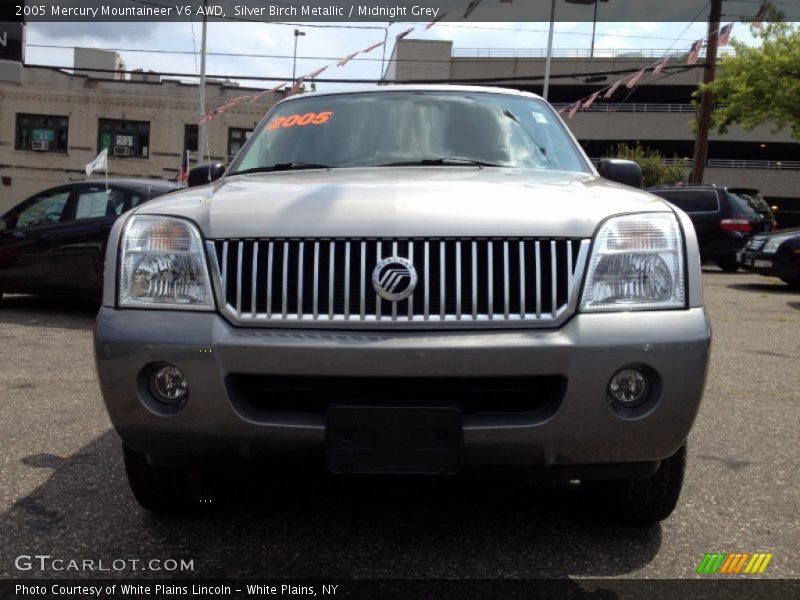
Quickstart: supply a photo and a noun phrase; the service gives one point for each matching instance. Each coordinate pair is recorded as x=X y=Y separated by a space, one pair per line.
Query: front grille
x=471 y=395
x=466 y=281
x=756 y=242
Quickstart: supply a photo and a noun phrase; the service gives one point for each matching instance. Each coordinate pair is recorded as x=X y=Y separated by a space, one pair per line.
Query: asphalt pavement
x=64 y=492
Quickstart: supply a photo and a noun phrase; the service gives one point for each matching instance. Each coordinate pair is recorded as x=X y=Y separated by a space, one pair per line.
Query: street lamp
x=297 y=34
x=594 y=18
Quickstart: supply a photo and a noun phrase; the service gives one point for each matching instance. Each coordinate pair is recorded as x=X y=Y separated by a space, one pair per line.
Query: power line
x=285 y=56
x=465 y=80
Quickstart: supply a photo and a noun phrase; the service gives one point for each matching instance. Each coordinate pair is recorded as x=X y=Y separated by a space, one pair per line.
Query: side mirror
x=626 y=172
x=206 y=173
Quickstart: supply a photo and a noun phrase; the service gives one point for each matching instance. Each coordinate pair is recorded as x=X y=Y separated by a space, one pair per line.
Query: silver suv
x=412 y=279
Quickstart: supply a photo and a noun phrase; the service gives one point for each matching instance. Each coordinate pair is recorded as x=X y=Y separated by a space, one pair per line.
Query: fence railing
x=722 y=163
x=631 y=107
x=632 y=53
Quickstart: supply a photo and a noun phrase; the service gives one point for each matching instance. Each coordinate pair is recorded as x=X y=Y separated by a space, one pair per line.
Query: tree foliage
x=654 y=170
x=760 y=84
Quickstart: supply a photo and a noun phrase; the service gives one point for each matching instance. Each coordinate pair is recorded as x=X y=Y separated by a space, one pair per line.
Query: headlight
x=774 y=242
x=636 y=264
x=163 y=265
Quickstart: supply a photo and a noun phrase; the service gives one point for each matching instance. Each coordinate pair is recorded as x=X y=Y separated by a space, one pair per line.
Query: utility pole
x=706 y=99
x=549 y=58
x=297 y=34
x=201 y=130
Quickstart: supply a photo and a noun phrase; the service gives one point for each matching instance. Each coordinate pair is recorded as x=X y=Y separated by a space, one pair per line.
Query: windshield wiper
x=532 y=137
x=439 y=162
x=290 y=166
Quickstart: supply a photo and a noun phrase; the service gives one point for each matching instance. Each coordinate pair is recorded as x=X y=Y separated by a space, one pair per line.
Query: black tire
x=641 y=501
x=165 y=491
x=728 y=265
x=792 y=283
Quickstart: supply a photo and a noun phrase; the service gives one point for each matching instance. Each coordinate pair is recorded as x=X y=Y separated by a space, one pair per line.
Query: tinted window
x=695 y=201
x=45 y=210
x=754 y=201
x=390 y=128
x=94 y=203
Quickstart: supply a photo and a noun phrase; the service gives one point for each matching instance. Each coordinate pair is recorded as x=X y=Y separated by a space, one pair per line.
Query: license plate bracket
x=381 y=440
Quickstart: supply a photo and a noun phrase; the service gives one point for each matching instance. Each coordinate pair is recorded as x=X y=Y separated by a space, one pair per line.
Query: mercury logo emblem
x=394 y=278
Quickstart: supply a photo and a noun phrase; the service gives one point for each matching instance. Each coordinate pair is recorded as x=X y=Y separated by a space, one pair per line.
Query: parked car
x=775 y=254
x=54 y=242
x=408 y=280
x=724 y=218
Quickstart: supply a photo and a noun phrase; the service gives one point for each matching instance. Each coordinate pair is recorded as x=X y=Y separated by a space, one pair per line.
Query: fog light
x=168 y=385
x=629 y=387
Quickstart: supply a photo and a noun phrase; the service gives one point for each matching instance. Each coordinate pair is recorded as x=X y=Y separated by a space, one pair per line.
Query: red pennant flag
x=638 y=76
x=612 y=89
x=371 y=48
x=400 y=36
x=470 y=7
x=761 y=14
x=725 y=34
x=346 y=59
x=661 y=64
x=316 y=73
x=694 y=52
x=270 y=91
x=573 y=109
x=591 y=100
x=436 y=20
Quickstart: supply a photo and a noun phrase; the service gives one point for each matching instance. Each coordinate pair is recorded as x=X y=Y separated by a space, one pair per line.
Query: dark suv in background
x=724 y=218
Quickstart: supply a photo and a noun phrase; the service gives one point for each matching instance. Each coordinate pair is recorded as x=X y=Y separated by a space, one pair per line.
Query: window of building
x=42 y=133
x=190 y=137
x=236 y=139
x=124 y=138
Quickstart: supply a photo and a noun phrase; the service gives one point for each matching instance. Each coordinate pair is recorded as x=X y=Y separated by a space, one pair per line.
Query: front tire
x=166 y=491
x=641 y=501
x=793 y=283
x=729 y=265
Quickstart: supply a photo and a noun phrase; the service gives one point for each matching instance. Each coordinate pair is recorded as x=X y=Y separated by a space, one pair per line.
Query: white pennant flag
x=101 y=162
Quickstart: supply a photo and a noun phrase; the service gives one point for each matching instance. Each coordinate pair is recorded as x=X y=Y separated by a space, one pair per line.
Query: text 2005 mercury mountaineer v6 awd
x=413 y=279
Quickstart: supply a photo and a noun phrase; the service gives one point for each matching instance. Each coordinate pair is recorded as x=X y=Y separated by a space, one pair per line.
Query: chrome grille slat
x=239 y=252
x=269 y=279
x=466 y=282
x=253 y=280
x=315 y=296
x=300 y=280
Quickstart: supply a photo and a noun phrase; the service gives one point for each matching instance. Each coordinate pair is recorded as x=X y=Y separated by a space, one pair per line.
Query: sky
x=333 y=43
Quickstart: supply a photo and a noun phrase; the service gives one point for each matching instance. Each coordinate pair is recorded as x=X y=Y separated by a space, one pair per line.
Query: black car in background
x=774 y=254
x=724 y=218
x=54 y=242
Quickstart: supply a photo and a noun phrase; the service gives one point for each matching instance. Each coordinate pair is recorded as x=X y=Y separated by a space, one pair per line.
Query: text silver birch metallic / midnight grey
x=417 y=280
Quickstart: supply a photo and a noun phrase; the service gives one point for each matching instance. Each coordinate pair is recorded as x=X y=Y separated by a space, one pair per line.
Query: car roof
x=415 y=87
x=132 y=183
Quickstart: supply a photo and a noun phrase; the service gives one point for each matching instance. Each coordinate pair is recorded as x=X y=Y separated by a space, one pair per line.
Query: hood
x=405 y=202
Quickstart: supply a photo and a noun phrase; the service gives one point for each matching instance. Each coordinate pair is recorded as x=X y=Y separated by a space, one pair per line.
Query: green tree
x=760 y=84
x=654 y=169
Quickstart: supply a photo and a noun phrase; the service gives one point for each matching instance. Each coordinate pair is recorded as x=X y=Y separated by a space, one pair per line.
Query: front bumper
x=770 y=265
x=580 y=428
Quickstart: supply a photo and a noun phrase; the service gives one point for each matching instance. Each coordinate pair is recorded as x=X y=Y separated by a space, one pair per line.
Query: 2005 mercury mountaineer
x=408 y=279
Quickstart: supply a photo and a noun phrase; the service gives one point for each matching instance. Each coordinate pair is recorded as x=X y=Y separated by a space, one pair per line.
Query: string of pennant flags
x=630 y=81
x=314 y=74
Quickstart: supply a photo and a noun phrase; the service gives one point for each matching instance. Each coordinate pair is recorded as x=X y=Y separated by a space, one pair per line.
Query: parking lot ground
x=64 y=493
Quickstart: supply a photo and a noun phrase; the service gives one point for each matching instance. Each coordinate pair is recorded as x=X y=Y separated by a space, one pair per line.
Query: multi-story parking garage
x=657 y=113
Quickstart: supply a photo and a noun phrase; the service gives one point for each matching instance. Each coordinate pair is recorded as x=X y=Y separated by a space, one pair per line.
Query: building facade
x=53 y=123
x=657 y=114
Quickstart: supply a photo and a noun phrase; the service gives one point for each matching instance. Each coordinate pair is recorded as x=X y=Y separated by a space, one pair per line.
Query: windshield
x=753 y=200
x=411 y=128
